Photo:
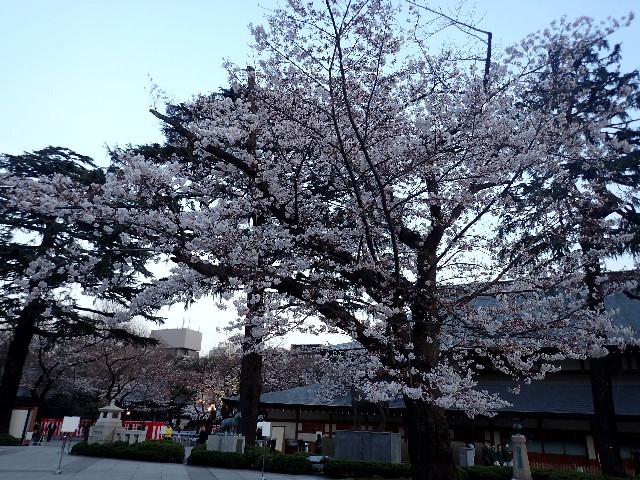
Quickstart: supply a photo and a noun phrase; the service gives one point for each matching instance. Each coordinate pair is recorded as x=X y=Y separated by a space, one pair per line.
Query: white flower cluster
x=395 y=195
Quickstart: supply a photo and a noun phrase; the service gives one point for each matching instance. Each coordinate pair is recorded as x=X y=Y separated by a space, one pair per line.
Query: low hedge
x=290 y=464
x=251 y=459
x=7 y=440
x=211 y=458
x=480 y=472
x=362 y=469
x=553 y=474
x=198 y=447
x=148 y=451
x=255 y=455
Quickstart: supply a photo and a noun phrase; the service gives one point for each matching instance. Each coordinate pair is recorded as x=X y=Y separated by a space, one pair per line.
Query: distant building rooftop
x=183 y=340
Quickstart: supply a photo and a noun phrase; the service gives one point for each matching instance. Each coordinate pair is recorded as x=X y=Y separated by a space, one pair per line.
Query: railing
x=190 y=438
x=129 y=436
x=575 y=467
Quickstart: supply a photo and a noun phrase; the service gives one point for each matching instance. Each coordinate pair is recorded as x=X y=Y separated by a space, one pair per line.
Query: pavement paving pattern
x=42 y=461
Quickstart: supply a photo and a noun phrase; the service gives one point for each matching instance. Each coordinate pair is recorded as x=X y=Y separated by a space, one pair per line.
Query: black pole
x=26 y=425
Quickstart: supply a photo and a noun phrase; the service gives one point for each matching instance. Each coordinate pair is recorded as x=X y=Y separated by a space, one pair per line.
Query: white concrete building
x=183 y=341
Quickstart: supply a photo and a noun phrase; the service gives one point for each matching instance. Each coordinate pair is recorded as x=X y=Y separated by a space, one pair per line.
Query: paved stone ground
x=41 y=462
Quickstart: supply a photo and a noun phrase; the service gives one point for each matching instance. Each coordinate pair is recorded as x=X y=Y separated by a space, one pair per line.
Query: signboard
x=70 y=424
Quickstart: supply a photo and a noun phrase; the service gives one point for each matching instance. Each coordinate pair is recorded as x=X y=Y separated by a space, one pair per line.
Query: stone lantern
x=110 y=420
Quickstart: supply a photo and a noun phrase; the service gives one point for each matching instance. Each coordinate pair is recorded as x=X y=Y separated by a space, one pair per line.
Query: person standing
x=486 y=454
x=508 y=455
x=37 y=435
x=499 y=455
x=50 y=429
x=168 y=432
x=202 y=436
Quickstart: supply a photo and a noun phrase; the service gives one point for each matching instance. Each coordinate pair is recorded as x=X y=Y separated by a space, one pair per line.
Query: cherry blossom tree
x=120 y=368
x=598 y=200
x=50 y=366
x=217 y=375
x=284 y=369
x=48 y=259
x=104 y=367
x=357 y=177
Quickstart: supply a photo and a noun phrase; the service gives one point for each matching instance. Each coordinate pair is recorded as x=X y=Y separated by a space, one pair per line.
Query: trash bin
x=466 y=456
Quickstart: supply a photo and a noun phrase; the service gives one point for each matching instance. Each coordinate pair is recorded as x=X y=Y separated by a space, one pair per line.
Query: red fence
x=57 y=422
x=154 y=429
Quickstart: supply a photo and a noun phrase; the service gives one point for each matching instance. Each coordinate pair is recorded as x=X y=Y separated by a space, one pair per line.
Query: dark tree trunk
x=605 y=416
x=16 y=357
x=250 y=387
x=251 y=370
x=606 y=432
x=429 y=442
x=250 y=390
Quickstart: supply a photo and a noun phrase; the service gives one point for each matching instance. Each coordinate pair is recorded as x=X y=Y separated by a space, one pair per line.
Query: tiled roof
x=557 y=394
x=303 y=396
x=561 y=395
x=554 y=395
x=309 y=396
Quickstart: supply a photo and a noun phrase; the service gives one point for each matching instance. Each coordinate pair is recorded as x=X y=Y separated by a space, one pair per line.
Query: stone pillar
x=521 y=470
x=106 y=425
x=226 y=443
x=367 y=445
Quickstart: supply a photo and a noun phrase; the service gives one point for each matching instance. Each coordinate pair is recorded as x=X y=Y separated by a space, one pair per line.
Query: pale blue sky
x=76 y=73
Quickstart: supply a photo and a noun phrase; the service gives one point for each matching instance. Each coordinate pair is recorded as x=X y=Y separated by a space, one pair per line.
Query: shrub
x=148 y=451
x=480 y=472
x=211 y=458
x=256 y=455
x=84 y=448
x=552 y=474
x=252 y=458
x=80 y=448
x=9 y=440
x=112 y=450
x=462 y=474
x=199 y=447
x=159 y=451
x=360 y=469
x=290 y=464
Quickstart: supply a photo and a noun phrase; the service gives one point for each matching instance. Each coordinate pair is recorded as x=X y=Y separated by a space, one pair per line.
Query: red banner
x=57 y=423
x=154 y=429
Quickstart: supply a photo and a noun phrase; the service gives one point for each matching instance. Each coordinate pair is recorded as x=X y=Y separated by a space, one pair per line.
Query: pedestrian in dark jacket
x=50 y=429
x=202 y=436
